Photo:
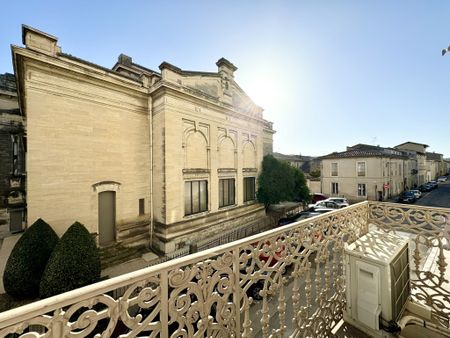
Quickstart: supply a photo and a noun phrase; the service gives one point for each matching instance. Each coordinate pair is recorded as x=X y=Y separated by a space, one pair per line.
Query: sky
x=328 y=74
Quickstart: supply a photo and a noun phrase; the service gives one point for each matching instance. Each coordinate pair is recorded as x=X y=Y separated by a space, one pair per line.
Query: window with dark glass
x=249 y=189
x=362 y=189
x=141 y=206
x=334 y=169
x=226 y=192
x=195 y=197
x=334 y=188
x=18 y=154
x=361 y=168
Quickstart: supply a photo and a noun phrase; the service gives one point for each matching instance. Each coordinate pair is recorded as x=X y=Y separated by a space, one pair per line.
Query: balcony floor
x=348 y=331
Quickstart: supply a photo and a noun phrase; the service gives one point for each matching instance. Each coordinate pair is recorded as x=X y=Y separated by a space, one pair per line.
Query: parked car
x=307 y=214
x=341 y=201
x=316 y=197
x=316 y=212
x=416 y=193
x=425 y=187
x=323 y=204
x=288 y=219
x=406 y=197
x=323 y=210
x=442 y=178
x=434 y=184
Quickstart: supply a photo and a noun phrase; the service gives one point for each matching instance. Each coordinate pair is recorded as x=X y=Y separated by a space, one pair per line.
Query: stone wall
x=84 y=133
x=93 y=130
x=169 y=238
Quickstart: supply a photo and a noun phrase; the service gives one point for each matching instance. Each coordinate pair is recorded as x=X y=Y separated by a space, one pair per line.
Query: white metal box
x=377 y=271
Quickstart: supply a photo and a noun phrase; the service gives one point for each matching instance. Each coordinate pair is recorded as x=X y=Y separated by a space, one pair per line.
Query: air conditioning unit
x=377 y=271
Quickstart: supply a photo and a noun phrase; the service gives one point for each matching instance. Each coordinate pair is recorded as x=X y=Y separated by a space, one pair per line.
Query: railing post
x=57 y=324
x=164 y=312
x=366 y=229
x=237 y=294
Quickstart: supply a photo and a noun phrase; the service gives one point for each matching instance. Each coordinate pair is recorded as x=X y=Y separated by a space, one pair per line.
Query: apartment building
x=364 y=172
x=435 y=165
x=417 y=151
x=134 y=153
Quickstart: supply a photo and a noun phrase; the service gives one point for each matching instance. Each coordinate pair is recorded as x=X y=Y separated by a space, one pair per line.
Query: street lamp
x=445 y=50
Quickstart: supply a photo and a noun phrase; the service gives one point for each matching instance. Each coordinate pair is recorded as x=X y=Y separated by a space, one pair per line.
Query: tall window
x=334 y=169
x=334 y=188
x=361 y=168
x=18 y=155
x=226 y=192
x=361 y=189
x=141 y=206
x=249 y=189
x=195 y=197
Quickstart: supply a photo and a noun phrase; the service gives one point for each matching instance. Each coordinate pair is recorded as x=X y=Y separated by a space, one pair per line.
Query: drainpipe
x=146 y=84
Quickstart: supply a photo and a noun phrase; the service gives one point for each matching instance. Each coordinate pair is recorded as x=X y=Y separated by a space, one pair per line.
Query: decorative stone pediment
x=218 y=86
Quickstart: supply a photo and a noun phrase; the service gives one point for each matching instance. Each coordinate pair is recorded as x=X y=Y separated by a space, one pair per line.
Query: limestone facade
x=417 y=152
x=364 y=172
x=387 y=171
x=178 y=150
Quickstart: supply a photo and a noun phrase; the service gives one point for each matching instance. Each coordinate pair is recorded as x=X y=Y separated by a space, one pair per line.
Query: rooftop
x=363 y=151
x=8 y=82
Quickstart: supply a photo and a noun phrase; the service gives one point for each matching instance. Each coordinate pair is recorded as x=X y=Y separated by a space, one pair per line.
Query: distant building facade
x=304 y=163
x=12 y=153
x=417 y=151
x=135 y=153
x=435 y=166
x=364 y=172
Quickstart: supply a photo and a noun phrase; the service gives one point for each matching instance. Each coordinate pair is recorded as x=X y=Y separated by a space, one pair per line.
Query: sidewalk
x=5 y=250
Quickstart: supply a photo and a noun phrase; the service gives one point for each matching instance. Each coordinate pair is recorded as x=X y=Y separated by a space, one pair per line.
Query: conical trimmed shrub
x=74 y=263
x=28 y=259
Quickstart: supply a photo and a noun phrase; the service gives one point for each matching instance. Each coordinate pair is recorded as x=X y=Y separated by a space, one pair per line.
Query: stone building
x=304 y=163
x=12 y=156
x=136 y=154
x=364 y=172
x=435 y=166
x=418 y=152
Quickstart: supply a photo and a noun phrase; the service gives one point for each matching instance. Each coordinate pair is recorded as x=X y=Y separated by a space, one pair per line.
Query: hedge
x=74 y=263
x=28 y=259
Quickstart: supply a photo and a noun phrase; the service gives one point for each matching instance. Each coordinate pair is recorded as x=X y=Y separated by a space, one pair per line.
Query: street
x=439 y=197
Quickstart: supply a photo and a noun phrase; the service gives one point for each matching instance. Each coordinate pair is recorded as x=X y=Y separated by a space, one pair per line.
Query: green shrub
x=74 y=263
x=28 y=259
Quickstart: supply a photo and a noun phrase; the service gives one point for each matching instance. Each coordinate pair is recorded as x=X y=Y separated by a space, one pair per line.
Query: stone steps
x=4 y=223
x=136 y=234
x=118 y=253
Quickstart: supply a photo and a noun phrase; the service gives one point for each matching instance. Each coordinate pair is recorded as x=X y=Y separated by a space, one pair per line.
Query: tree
x=28 y=259
x=301 y=191
x=315 y=173
x=74 y=263
x=279 y=182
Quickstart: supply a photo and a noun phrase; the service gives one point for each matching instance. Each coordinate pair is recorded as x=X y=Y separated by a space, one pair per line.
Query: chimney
x=125 y=60
x=39 y=41
x=226 y=68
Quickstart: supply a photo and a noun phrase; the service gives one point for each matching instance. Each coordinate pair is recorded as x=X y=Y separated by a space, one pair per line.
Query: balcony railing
x=289 y=281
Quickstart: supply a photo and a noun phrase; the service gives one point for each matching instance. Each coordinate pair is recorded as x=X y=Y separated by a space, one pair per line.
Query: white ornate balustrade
x=299 y=268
